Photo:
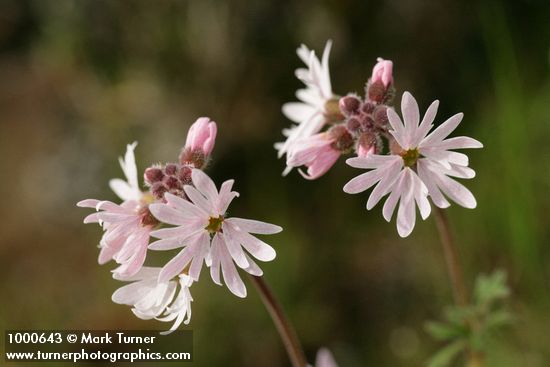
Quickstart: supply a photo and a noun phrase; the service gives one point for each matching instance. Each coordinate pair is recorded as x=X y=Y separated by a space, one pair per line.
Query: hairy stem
x=285 y=329
x=456 y=276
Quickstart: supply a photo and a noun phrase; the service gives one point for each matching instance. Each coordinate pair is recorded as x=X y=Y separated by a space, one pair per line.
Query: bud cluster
x=172 y=177
x=356 y=125
x=168 y=178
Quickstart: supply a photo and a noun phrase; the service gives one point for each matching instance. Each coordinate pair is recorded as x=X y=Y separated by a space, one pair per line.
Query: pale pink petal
x=426 y=124
x=167 y=214
x=406 y=214
x=177 y=264
x=216 y=258
x=204 y=184
x=234 y=247
x=181 y=232
x=88 y=203
x=253 y=268
x=455 y=191
x=373 y=161
x=459 y=142
x=257 y=248
x=199 y=200
x=411 y=117
x=186 y=208
x=230 y=273
x=443 y=130
x=202 y=247
x=254 y=226
x=226 y=196
x=398 y=131
x=426 y=177
x=385 y=185
x=167 y=244
x=91 y=218
x=391 y=201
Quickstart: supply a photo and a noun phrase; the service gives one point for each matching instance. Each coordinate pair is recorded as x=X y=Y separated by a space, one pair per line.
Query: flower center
x=214 y=224
x=410 y=157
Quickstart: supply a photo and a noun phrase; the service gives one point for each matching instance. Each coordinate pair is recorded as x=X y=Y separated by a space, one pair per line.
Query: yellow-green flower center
x=410 y=157
x=214 y=224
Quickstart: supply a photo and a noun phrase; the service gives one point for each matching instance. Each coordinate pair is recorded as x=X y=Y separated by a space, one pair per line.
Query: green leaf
x=490 y=288
x=498 y=318
x=442 y=331
x=446 y=355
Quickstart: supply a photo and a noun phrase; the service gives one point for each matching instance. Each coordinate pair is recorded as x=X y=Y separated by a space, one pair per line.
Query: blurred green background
x=80 y=79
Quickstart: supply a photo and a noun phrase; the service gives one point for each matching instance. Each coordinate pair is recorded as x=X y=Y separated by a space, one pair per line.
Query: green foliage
x=470 y=327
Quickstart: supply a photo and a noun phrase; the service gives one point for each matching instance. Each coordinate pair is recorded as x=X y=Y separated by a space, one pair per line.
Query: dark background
x=80 y=79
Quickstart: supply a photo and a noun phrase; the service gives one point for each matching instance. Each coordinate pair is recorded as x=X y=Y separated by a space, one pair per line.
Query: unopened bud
x=353 y=124
x=343 y=140
x=171 y=169
x=152 y=175
x=368 y=107
x=382 y=72
x=349 y=105
x=202 y=136
x=171 y=182
x=194 y=158
x=184 y=175
x=380 y=115
x=368 y=143
x=376 y=91
x=366 y=123
x=158 y=189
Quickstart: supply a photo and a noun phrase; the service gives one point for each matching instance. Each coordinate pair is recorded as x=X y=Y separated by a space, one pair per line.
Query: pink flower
x=317 y=153
x=202 y=135
x=127 y=225
x=151 y=299
x=382 y=72
x=200 y=142
x=308 y=115
x=422 y=166
x=207 y=235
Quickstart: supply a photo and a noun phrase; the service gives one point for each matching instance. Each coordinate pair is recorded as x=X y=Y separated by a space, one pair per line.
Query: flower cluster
x=405 y=160
x=183 y=197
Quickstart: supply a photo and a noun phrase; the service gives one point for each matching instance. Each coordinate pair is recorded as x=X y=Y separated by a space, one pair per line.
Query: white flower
x=422 y=167
x=309 y=114
x=127 y=225
x=127 y=190
x=325 y=359
x=151 y=299
x=205 y=233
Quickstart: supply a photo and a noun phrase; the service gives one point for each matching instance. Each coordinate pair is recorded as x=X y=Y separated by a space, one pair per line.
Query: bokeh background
x=80 y=79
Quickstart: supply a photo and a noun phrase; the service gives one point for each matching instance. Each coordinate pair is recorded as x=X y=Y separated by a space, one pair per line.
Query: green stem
x=286 y=331
x=456 y=276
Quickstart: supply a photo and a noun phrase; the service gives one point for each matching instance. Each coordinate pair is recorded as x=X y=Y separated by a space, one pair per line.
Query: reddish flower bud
x=381 y=116
x=349 y=105
x=171 y=169
x=342 y=138
x=368 y=143
x=152 y=175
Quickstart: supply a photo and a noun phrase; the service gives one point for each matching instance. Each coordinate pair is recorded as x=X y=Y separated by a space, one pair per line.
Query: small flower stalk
x=180 y=208
x=407 y=160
